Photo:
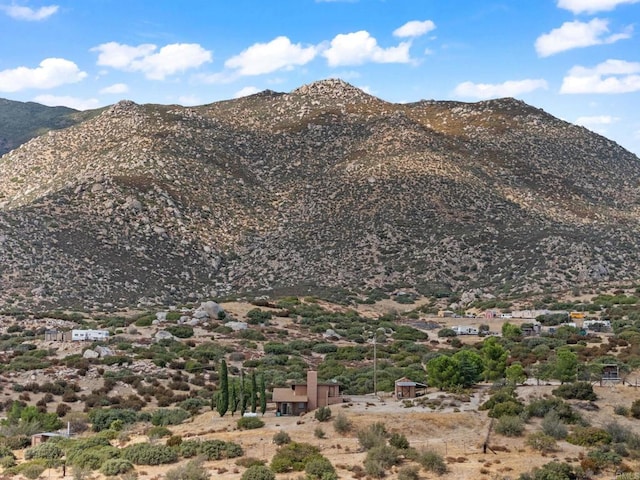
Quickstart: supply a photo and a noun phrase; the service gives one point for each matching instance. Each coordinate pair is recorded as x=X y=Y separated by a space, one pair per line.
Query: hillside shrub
x=635 y=409
x=147 y=454
x=293 y=457
x=281 y=438
x=218 y=449
x=320 y=468
x=399 y=441
x=258 y=472
x=322 y=414
x=372 y=436
x=589 y=436
x=409 y=472
x=169 y=416
x=192 y=470
x=432 y=462
x=551 y=471
x=380 y=459
x=158 y=432
x=342 y=424
x=576 y=390
x=542 y=442
x=47 y=450
x=180 y=331
x=552 y=426
x=509 y=426
x=92 y=458
x=250 y=423
x=116 y=466
x=102 y=418
x=446 y=333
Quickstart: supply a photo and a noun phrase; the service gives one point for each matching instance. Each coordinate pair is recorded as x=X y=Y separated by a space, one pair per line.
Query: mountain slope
x=20 y=122
x=324 y=186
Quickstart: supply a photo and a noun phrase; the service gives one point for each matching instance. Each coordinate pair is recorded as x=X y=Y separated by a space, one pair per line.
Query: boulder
x=163 y=335
x=90 y=354
x=104 y=351
x=212 y=308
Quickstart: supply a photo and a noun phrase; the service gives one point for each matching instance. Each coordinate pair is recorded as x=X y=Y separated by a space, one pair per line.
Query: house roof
x=405 y=382
x=287 y=395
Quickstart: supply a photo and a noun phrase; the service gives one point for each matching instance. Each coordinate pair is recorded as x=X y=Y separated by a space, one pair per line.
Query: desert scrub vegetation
x=116 y=466
x=249 y=423
x=342 y=424
x=432 y=462
x=293 y=457
x=281 y=438
x=148 y=454
x=192 y=470
x=322 y=414
x=258 y=472
x=509 y=426
x=173 y=416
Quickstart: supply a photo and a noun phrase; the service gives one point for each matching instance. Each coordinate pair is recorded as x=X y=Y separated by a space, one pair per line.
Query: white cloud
x=279 y=53
x=510 y=88
x=155 y=64
x=29 y=14
x=360 y=47
x=71 y=102
x=52 y=72
x=592 y=6
x=577 y=34
x=611 y=76
x=596 y=120
x=414 y=28
x=116 y=88
x=246 y=91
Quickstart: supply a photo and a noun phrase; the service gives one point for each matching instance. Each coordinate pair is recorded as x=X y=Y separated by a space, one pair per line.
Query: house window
x=302 y=405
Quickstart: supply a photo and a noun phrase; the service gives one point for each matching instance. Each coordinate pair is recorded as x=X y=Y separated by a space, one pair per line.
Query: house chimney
x=312 y=389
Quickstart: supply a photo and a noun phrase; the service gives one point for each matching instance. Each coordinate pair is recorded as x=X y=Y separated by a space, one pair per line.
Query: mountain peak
x=333 y=89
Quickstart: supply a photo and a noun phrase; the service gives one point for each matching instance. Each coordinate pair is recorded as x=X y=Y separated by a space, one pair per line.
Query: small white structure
x=596 y=325
x=90 y=335
x=465 y=330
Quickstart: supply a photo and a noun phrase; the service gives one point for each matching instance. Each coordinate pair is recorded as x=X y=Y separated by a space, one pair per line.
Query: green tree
x=243 y=394
x=263 y=395
x=254 y=392
x=443 y=372
x=470 y=365
x=511 y=331
x=222 y=404
x=566 y=365
x=233 y=398
x=494 y=357
x=515 y=373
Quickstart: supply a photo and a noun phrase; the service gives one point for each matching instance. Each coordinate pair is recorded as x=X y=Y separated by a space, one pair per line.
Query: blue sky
x=577 y=59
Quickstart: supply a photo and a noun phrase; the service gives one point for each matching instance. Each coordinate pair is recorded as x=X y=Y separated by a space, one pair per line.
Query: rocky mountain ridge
x=325 y=186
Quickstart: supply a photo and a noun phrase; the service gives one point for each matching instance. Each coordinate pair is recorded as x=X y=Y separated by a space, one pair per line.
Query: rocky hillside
x=324 y=186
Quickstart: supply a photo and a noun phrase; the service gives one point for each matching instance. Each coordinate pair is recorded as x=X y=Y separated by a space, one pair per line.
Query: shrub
x=218 y=449
x=258 y=472
x=158 y=432
x=102 y=418
x=380 y=459
x=635 y=409
x=553 y=426
x=92 y=458
x=116 y=466
x=399 y=441
x=169 y=416
x=342 y=424
x=180 y=331
x=281 y=438
x=147 y=454
x=192 y=470
x=8 y=461
x=576 y=390
x=322 y=414
x=510 y=426
x=589 y=436
x=621 y=410
x=551 y=471
x=320 y=468
x=293 y=457
x=541 y=442
x=318 y=432
x=189 y=448
x=250 y=423
x=446 y=332
x=432 y=462
x=409 y=472
x=47 y=450
x=174 y=441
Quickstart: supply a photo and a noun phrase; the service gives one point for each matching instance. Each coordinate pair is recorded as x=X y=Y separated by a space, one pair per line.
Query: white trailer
x=465 y=330
x=91 y=335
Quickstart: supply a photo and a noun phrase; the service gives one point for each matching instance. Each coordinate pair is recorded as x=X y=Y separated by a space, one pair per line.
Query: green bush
x=576 y=390
x=258 y=472
x=102 y=418
x=158 y=432
x=320 y=468
x=249 y=423
x=47 y=450
x=169 y=416
x=147 y=454
x=293 y=457
x=281 y=438
x=189 y=448
x=192 y=470
x=541 y=442
x=446 y=332
x=399 y=441
x=92 y=458
x=322 y=414
x=380 y=459
x=180 y=331
x=218 y=449
x=552 y=425
x=510 y=426
x=432 y=462
x=551 y=471
x=635 y=409
x=409 y=472
x=342 y=424
x=7 y=461
x=588 y=436
x=116 y=466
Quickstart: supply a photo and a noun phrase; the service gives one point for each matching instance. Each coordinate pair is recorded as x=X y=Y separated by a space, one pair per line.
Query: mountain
x=322 y=187
x=20 y=122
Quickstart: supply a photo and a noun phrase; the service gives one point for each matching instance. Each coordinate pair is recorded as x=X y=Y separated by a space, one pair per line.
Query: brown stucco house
x=300 y=398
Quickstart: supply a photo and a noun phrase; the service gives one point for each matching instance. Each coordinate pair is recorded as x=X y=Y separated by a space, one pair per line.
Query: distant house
x=446 y=314
x=405 y=388
x=90 y=335
x=38 y=438
x=300 y=398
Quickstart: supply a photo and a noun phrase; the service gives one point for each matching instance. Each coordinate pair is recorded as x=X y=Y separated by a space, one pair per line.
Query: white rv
x=465 y=330
x=90 y=335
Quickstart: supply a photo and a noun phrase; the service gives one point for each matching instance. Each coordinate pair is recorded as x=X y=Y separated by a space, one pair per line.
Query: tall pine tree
x=222 y=403
x=243 y=394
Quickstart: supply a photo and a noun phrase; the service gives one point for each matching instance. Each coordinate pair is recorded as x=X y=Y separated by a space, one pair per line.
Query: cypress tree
x=263 y=395
x=243 y=394
x=233 y=398
x=254 y=392
x=222 y=404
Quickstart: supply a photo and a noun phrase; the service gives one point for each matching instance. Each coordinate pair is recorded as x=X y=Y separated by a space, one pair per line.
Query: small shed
x=610 y=374
x=406 y=388
x=38 y=438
